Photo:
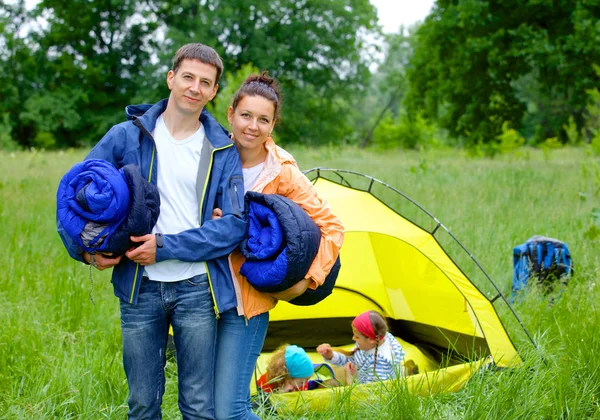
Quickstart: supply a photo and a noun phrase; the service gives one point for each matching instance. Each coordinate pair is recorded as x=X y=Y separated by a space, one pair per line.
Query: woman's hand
x=217 y=213
x=294 y=291
x=326 y=351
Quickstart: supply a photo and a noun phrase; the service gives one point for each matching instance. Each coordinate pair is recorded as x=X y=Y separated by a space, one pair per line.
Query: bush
x=44 y=140
x=6 y=140
x=405 y=131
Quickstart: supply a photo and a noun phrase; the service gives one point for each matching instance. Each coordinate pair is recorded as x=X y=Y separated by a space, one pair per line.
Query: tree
x=389 y=80
x=315 y=49
x=472 y=56
x=18 y=70
x=71 y=76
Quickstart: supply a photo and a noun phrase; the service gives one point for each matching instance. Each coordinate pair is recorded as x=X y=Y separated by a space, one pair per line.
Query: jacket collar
x=277 y=154
x=147 y=114
x=276 y=158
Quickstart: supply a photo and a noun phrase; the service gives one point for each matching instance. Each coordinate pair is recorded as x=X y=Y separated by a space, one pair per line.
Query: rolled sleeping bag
x=280 y=246
x=310 y=297
x=100 y=207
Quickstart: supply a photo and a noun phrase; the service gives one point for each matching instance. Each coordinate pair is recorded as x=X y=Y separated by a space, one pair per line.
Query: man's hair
x=200 y=52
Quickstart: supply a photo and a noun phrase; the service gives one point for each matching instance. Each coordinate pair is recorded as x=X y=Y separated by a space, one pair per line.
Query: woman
x=270 y=170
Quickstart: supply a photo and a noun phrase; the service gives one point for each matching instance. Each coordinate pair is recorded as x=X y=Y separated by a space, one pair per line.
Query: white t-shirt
x=251 y=175
x=178 y=162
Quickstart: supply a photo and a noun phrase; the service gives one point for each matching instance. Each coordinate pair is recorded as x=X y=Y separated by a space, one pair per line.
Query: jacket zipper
x=143 y=130
x=236 y=195
x=212 y=290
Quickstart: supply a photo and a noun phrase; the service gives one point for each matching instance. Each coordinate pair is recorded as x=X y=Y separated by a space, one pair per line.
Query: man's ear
x=170 y=77
x=214 y=92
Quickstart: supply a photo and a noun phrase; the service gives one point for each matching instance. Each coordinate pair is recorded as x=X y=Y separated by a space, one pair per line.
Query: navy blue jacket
x=131 y=142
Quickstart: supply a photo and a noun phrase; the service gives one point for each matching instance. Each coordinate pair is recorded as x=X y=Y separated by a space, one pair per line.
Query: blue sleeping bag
x=100 y=207
x=280 y=246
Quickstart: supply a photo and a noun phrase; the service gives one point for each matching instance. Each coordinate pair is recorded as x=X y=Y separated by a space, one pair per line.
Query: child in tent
x=289 y=369
x=376 y=356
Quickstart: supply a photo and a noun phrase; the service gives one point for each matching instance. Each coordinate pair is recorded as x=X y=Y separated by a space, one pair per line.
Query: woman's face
x=251 y=122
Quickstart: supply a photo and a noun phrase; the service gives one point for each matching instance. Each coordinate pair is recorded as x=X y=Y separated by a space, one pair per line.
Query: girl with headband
x=376 y=356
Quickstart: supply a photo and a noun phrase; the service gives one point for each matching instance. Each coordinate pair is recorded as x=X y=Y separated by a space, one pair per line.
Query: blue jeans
x=238 y=348
x=187 y=305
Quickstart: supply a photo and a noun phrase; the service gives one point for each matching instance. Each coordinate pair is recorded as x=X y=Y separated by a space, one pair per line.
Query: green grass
x=60 y=355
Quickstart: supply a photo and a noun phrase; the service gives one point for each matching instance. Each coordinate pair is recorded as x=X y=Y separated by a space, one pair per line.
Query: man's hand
x=325 y=351
x=145 y=254
x=100 y=261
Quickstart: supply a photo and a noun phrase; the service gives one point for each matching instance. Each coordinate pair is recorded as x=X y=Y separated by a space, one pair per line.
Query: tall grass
x=60 y=355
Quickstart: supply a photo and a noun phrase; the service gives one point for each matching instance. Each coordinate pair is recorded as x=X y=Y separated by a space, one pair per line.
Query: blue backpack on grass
x=548 y=260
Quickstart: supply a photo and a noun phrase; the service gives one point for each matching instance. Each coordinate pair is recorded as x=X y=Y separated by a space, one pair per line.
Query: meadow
x=60 y=353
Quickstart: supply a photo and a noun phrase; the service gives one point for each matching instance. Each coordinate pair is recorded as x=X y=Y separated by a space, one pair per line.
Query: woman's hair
x=260 y=85
x=276 y=369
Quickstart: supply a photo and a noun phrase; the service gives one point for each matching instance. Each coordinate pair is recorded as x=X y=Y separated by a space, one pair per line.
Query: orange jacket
x=282 y=176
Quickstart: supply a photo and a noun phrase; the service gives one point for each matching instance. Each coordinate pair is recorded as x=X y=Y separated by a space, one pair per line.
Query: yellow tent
x=446 y=324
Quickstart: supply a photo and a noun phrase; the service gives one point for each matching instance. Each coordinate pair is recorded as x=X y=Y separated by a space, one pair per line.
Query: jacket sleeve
x=296 y=186
x=340 y=359
x=72 y=248
x=397 y=349
x=109 y=148
x=214 y=238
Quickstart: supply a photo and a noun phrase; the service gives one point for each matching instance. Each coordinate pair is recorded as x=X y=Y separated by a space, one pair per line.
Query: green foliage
x=509 y=140
x=387 y=90
x=67 y=78
x=405 y=132
x=73 y=75
x=53 y=112
x=480 y=63
x=592 y=120
x=44 y=140
x=60 y=356
x=314 y=48
x=572 y=132
x=6 y=141
x=218 y=107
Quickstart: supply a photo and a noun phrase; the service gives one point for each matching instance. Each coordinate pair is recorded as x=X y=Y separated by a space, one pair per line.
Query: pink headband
x=364 y=325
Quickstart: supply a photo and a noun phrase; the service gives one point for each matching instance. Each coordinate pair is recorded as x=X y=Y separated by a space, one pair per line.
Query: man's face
x=192 y=86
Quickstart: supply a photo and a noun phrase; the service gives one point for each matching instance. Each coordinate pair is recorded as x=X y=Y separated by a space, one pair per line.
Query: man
x=178 y=275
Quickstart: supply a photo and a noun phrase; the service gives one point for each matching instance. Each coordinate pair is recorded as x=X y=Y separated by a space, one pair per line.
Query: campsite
x=456 y=142
x=61 y=354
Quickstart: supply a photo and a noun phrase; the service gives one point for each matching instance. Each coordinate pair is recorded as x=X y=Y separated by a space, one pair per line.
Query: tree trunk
x=367 y=139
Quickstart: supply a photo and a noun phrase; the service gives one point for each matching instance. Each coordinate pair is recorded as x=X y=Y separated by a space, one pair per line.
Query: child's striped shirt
x=389 y=361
